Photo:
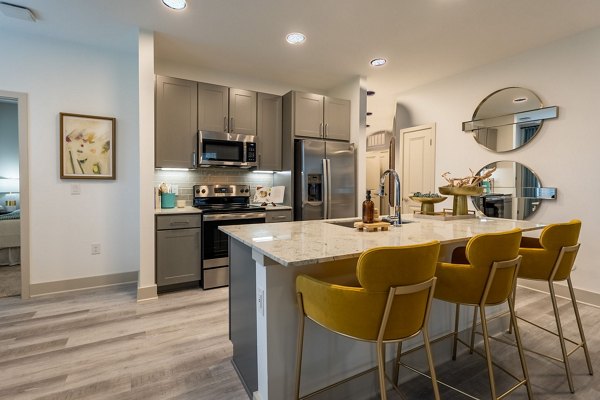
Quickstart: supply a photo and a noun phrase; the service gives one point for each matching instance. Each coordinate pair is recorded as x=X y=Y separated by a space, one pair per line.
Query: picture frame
x=87 y=147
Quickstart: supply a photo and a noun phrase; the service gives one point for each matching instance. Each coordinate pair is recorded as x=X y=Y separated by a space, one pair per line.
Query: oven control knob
x=203 y=191
x=197 y=191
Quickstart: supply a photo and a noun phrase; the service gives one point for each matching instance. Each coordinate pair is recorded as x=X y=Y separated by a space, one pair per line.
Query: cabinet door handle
x=321 y=129
x=194 y=160
x=280 y=217
x=326 y=130
x=231 y=127
x=225 y=123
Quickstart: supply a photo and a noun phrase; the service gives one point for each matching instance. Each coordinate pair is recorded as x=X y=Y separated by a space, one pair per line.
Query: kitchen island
x=264 y=262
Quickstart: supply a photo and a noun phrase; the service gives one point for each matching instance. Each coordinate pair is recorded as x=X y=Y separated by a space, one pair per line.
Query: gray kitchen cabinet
x=336 y=119
x=213 y=103
x=278 y=216
x=221 y=109
x=242 y=111
x=175 y=130
x=178 y=254
x=317 y=116
x=268 y=130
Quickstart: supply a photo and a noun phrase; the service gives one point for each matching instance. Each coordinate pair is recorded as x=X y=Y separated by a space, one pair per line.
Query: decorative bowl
x=427 y=203
x=461 y=190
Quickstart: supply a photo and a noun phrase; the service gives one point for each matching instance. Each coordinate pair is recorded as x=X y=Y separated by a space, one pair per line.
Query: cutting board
x=375 y=226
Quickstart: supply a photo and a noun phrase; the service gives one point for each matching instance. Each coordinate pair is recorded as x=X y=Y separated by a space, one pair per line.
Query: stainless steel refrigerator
x=324 y=180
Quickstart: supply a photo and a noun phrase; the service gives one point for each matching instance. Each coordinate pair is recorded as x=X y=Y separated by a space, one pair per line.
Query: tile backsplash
x=210 y=176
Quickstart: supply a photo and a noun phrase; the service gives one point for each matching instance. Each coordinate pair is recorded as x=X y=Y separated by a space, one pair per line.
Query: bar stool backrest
x=381 y=268
x=556 y=236
x=485 y=249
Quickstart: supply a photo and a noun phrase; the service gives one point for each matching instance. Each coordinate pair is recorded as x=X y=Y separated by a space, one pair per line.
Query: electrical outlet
x=175 y=189
x=96 y=249
x=260 y=297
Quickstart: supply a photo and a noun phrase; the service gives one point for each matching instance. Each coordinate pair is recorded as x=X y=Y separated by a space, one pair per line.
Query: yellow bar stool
x=391 y=304
x=487 y=279
x=551 y=258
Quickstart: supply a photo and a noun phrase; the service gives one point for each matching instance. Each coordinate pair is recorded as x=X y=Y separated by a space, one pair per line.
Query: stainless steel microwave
x=226 y=149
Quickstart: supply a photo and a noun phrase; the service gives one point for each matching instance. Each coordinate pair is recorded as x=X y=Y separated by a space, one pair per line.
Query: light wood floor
x=10 y=280
x=101 y=344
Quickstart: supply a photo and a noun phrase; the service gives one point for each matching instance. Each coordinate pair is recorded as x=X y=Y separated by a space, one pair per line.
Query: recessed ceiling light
x=175 y=4
x=295 y=38
x=378 y=62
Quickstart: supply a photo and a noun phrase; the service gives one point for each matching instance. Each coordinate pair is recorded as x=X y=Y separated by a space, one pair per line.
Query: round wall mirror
x=508 y=119
x=513 y=191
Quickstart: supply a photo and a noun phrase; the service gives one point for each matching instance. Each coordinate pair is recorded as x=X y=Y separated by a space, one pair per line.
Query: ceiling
x=423 y=40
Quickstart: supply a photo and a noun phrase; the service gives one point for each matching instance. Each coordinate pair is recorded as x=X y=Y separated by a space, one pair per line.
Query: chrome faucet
x=396 y=219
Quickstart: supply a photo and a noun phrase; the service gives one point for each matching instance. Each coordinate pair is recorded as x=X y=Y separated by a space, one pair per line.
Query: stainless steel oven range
x=222 y=205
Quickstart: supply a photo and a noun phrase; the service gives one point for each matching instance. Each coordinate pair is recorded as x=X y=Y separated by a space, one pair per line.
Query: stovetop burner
x=223 y=198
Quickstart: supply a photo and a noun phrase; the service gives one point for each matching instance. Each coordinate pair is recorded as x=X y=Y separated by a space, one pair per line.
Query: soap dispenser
x=368 y=209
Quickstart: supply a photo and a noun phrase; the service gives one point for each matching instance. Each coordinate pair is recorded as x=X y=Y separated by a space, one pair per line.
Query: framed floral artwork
x=87 y=147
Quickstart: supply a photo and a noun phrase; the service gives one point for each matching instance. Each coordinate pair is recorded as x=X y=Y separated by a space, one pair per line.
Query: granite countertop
x=311 y=242
x=177 y=210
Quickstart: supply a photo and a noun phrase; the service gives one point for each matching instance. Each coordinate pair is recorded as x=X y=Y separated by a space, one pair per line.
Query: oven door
x=215 y=244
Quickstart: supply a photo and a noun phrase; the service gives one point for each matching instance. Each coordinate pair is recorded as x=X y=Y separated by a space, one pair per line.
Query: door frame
x=22 y=110
x=400 y=159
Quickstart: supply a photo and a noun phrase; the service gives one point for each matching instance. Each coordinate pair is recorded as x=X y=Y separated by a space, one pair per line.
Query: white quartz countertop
x=177 y=210
x=311 y=242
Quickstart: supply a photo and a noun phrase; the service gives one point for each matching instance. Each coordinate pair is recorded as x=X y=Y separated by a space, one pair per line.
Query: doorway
x=14 y=204
x=417 y=145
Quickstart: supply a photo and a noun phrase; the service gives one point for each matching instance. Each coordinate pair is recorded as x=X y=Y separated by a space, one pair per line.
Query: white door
x=417 y=145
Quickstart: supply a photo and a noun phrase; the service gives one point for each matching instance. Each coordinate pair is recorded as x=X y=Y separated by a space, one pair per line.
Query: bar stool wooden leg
x=561 y=337
x=488 y=353
x=299 y=345
x=396 y=375
x=436 y=391
x=381 y=369
x=455 y=335
x=580 y=326
x=473 y=330
x=513 y=319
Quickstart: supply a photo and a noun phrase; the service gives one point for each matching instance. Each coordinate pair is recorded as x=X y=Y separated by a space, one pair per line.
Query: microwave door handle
x=325 y=190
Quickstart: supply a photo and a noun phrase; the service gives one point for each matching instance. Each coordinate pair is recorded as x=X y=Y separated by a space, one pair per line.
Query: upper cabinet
x=242 y=111
x=213 y=103
x=268 y=129
x=222 y=109
x=176 y=118
x=336 y=118
x=318 y=116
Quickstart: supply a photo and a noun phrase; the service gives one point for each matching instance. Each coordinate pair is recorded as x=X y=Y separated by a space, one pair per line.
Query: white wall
x=564 y=154
x=67 y=77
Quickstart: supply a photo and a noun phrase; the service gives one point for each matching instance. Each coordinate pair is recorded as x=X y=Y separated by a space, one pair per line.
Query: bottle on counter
x=368 y=216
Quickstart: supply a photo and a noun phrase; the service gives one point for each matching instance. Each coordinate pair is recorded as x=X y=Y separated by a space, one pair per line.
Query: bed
x=10 y=238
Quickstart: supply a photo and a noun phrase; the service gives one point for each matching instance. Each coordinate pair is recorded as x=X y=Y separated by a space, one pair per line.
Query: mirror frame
x=547 y=113
x=540 y=193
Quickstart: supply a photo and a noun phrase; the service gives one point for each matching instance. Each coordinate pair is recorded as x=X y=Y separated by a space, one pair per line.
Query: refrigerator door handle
x=328 y=186
x=326 y=212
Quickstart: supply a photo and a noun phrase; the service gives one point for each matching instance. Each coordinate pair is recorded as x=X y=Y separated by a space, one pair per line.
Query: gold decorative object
x=459 y=205
x=427 y=203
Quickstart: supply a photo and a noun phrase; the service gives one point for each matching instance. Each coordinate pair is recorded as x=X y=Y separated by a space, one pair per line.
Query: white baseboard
x=67 y=285
x=147 y=293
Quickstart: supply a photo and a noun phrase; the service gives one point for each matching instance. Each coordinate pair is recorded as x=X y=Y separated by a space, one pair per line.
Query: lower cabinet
x=178 y=254
x=278 y=216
